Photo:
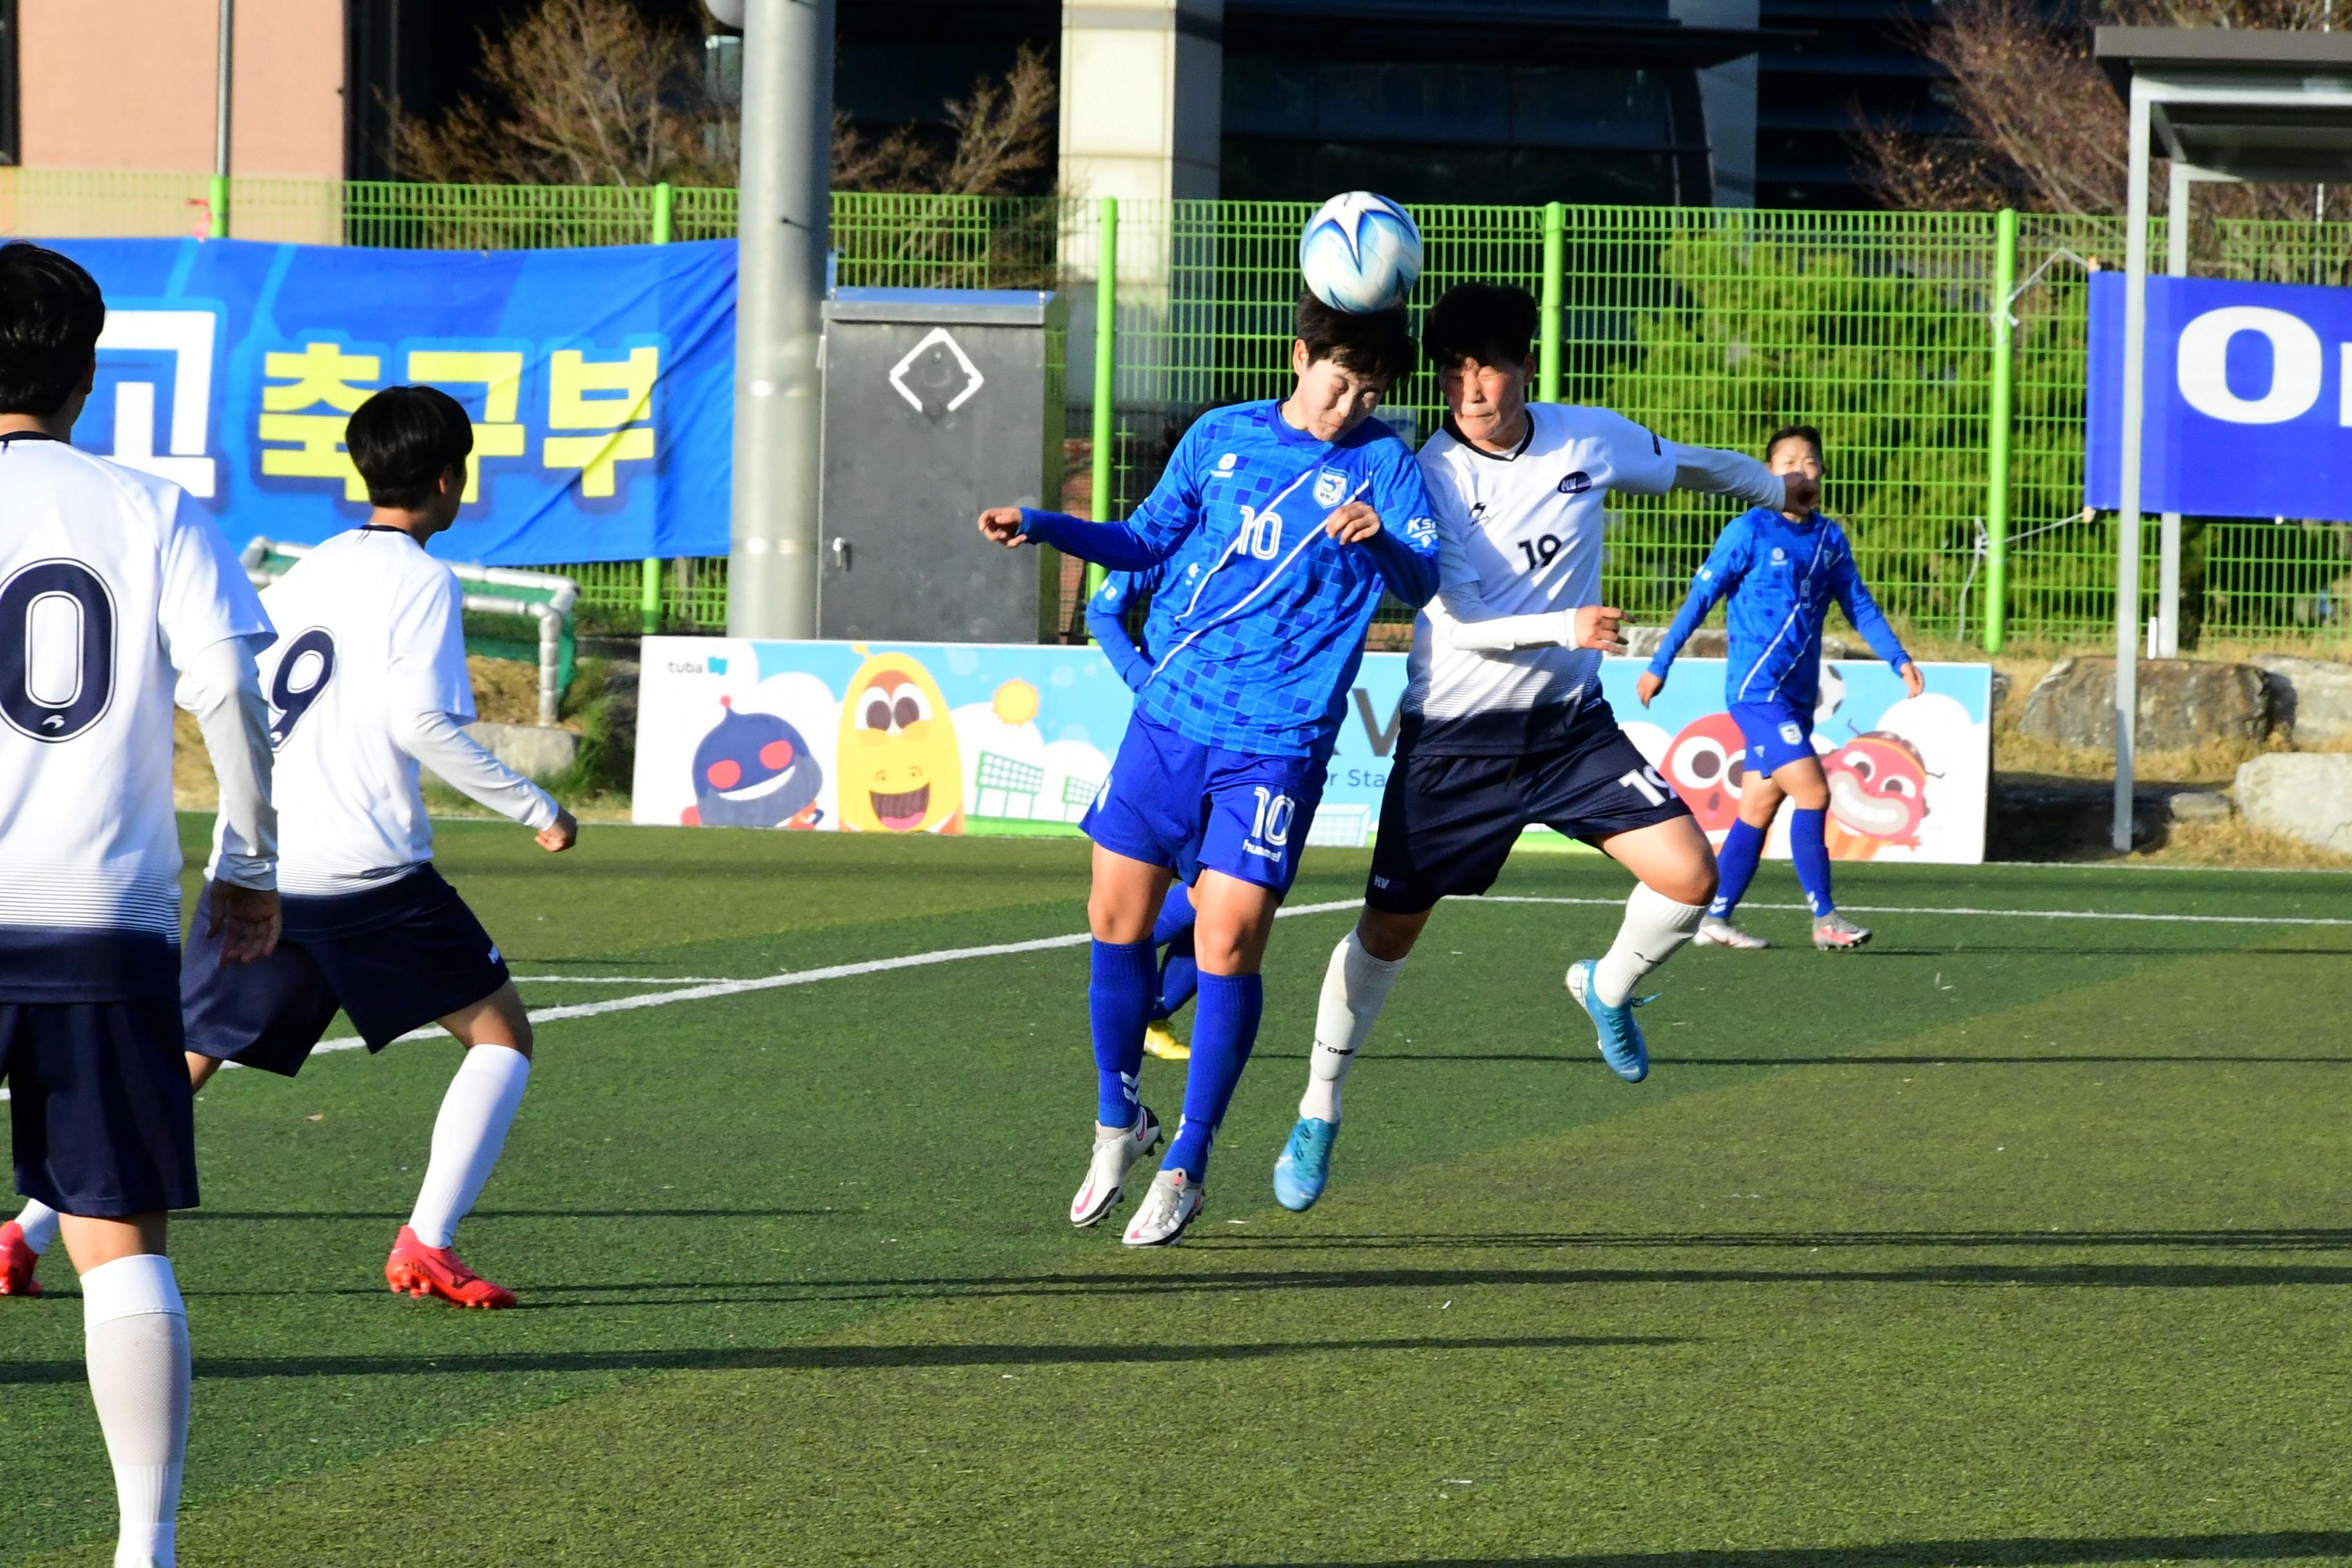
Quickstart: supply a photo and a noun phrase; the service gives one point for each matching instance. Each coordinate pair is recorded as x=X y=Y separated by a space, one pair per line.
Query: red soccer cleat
x=17 y=1262
x=416 y=1269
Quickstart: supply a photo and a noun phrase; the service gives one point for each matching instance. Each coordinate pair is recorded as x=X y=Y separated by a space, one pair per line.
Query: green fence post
x=1547 y=351
x=2004 y=393
x=216 y=197
x=650 y=586
x=1105 y=371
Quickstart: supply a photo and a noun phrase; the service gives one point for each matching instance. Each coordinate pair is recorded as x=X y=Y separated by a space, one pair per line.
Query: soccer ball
x=1360 y=253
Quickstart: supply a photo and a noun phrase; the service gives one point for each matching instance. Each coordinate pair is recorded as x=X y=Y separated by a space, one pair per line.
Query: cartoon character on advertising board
x=901 y=771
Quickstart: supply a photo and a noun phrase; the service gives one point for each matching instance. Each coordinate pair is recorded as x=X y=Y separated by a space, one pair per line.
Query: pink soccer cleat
x=17 y=1262
x=416 y=1269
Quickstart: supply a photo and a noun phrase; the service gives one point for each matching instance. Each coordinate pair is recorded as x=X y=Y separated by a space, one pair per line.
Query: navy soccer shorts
x=1777 y=732
x=1448 y=823
x=1173 y=802
x=393 y=958
x=103 y=1120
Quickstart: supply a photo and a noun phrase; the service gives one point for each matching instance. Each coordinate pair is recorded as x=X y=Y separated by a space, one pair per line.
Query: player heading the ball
x=1503 y=725
x=1781 y=568
x=114 y=588
x=1282 y=523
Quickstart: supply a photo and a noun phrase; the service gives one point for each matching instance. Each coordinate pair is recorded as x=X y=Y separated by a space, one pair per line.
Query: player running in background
x=1284 y=522
x=110 y=585
x=366 y=680
x=1781 y=568
x=1503 y=725
x=1171 y=933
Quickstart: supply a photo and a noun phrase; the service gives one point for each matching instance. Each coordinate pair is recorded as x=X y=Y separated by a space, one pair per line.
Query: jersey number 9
x=302 y=677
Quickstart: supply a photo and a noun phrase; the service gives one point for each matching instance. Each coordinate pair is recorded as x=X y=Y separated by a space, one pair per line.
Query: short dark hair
x=1805 y=433
x=1378 y=344
x=403 y=439
x=50 y=315
x=1493 y=323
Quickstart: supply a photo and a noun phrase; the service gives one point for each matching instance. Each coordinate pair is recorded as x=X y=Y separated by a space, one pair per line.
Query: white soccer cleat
x=1171 y=1205
x=1714 y=932
x=1836 y=933
x=1115 y=1151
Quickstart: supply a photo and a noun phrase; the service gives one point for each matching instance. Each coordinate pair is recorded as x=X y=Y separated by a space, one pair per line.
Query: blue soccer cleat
x=1305 y=1164
x=1621 y=1046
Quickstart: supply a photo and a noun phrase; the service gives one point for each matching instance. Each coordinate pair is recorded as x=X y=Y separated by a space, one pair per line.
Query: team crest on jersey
x=1778 y=555
x=1576 y=484
x=1331 y=486
x=1790 y=734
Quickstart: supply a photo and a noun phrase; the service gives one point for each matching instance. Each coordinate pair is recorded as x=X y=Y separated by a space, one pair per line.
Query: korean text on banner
x=600 y=383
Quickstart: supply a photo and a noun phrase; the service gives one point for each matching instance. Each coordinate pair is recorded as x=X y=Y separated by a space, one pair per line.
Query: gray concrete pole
x=786 y=186
x=2127 y=625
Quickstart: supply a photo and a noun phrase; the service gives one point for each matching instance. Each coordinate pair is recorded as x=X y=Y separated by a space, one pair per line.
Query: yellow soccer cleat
x=1160 y=1041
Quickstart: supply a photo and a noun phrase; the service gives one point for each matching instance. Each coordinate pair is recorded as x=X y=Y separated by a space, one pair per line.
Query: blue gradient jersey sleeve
x=1726 y=564
x=1405 y=549
x=1158 y=529
x=1861 y=612
x=1106 y=621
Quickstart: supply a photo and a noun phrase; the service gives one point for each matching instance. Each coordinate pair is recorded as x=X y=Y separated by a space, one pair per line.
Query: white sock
x=135 y=1336
x=466 y=1137
x=1355 y=989
x=1656 y=928
x=39 y=1224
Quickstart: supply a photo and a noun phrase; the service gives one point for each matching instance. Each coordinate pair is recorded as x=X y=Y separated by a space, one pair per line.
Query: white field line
x=700 y=990
x=1998 y=914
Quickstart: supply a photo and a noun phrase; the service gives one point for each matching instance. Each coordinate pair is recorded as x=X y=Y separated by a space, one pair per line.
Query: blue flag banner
x=601 y=383
x=1018 y=740
x=2249 y=399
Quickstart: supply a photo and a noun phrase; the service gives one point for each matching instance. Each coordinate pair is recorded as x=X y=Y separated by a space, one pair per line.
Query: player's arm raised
x=1167 y=514
x=1406 y=550
x=1726 y=564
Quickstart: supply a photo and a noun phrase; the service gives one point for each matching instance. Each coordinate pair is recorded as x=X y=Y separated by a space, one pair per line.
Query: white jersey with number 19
x=109 y=581
x=370 y=633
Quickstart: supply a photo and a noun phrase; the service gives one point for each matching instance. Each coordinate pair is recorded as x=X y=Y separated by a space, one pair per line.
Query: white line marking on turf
x=618 y=979
x=2012 y=914
x=697 y=989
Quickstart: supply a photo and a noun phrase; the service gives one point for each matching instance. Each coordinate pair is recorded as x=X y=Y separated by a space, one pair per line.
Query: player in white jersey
x=115 y=591
x=1504 y=726
x=366 y=680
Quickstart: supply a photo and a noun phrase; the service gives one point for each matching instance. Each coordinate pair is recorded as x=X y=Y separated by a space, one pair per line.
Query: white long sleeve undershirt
x=434 y=739
x=221 y=686
x=1457 y=613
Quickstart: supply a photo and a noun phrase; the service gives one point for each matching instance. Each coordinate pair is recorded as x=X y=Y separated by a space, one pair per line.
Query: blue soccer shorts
x=1777 y=732
x=98 y=1106
x=1448 y=822
x=1171 y=801
x=393 y=958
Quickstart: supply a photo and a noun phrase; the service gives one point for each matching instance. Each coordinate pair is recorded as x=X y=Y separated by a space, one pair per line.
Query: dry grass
x=2237 y=843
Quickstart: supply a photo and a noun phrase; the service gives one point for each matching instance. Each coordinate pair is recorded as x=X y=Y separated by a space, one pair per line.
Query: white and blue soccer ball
x=1360 y=253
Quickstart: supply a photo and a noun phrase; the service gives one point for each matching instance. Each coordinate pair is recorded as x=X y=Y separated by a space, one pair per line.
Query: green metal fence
x=1955 y=443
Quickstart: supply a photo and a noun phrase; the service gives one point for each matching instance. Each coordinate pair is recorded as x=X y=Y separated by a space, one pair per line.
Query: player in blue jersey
x=1781 y=569
x=1171 y=934
x=1283 y=522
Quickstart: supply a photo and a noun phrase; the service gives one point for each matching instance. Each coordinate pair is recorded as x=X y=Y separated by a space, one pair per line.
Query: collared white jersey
x=370 y=631
x=110 y=580
x=1520 y=533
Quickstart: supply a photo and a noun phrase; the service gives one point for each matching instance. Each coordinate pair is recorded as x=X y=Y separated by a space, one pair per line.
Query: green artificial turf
x=2007 y=1241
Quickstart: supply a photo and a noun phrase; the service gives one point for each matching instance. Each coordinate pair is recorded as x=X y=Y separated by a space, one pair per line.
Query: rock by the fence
x=2312 y=698
x=2200 y=805
x=2001 y=684
x=528 y=749
x=2303 y=795
x=2182 y=703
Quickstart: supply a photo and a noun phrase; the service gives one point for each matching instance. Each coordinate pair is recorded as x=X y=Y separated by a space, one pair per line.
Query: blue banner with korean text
x=2249 y=399
x=600 y=382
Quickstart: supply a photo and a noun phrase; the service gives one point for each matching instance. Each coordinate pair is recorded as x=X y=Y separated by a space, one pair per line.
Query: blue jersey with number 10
x=1261 y=619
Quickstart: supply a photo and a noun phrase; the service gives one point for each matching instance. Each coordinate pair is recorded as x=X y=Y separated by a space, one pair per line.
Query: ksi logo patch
x=1331 y=486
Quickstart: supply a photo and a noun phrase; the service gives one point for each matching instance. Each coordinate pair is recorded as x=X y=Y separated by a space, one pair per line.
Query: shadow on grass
x=1583 y=1056
x=818 y=1358
x=400 y=1215
x=2013 y=1551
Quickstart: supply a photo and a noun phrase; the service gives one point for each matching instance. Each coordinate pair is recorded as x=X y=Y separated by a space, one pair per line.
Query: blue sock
x=1118 y=998
x=1734 y=866
x=1809 y=844
x=1176 y=915
x=1223 y=1033
x=1180 y=975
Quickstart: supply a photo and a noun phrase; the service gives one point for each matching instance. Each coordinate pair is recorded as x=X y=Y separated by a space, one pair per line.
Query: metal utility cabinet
x=938 y=403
